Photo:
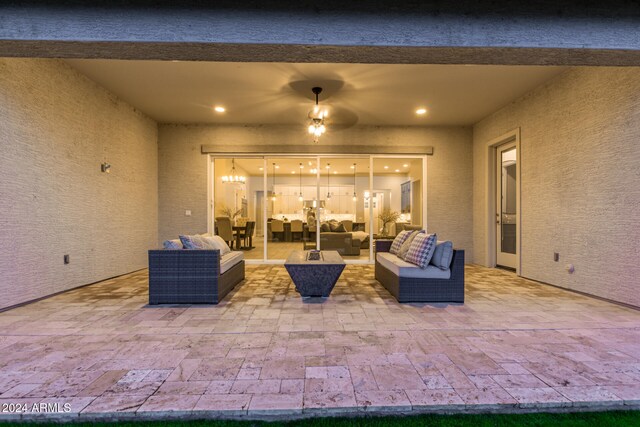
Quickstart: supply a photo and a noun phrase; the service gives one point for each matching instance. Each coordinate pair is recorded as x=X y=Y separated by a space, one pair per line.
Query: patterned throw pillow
x=195 y=242
x=402 y=253
x=421 y=249
x=398 y=241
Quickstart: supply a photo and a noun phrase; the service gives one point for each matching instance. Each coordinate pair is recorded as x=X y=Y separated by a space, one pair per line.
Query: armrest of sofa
x=457 y=263
x=383 y=245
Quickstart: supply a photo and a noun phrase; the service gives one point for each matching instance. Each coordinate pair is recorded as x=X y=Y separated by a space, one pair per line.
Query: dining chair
x=223 y=225
x=296 y=228
x=277 y=229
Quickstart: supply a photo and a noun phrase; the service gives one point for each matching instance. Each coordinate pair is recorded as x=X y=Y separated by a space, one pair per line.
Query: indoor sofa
x=342 y=242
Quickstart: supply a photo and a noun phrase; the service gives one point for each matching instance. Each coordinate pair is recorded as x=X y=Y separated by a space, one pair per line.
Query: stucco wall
x=57 y=127
x=183 y=170
x=580 y=196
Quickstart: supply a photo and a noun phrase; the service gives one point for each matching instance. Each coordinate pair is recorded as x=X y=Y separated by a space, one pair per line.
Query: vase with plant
x=231 y=213
x=387 y=216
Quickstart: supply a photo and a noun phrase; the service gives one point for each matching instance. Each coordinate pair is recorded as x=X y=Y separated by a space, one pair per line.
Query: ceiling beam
x=313 y=149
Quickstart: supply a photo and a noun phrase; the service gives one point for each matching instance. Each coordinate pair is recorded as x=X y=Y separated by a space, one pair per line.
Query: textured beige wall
x=580 y=137
x=183 y=170
x=56 y=128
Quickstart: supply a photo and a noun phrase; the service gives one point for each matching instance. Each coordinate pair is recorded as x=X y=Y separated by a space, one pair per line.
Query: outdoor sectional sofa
x=192 y=276
x=402 y=281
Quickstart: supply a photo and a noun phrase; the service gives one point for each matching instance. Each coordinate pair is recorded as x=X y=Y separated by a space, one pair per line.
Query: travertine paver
x=264 y=351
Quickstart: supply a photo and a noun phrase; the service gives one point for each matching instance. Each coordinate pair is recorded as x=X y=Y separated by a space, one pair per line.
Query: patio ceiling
x=280 y=93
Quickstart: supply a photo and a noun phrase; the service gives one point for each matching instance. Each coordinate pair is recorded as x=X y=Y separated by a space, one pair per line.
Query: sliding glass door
x=269 y=206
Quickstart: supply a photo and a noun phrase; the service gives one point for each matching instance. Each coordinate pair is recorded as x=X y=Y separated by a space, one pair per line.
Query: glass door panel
x=397 y=195
x=343 y=183
x=237 y=204
x=506 y=206
x=291 y=194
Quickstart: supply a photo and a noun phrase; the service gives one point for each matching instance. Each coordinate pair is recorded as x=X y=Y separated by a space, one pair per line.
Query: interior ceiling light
x=405 y=165
x=317 y=116
x=355 y=197
x=328 y=184
x=273 y=195
x=421 y=111
x=386 y=167
x=397 y=170
x=219 y=109
x=300 y=198
x=233 y=177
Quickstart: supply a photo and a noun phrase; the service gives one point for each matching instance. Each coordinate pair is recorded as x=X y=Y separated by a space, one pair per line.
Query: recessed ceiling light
x=277 y=167
x=405 y=165
x=335 y=172
x=397 y=170
x=386 y=167
x=219 y=109
x=421 y=111
x=352 y=166
x=292 y=172
x=261 y=169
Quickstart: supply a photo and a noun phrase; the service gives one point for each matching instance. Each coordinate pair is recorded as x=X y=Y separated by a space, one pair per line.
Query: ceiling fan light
x=312 y=128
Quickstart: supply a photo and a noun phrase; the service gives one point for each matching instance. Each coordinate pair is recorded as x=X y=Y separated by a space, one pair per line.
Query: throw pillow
x=333 y=225
x=398 y=241
x=421 y=249
x=402 y=252
x=195 y=242
x=325 y=228
x=172 y=244
x=442 y=255
x=217 y=242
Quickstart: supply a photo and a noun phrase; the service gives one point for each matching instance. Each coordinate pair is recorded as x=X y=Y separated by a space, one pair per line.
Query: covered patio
x=515 y=345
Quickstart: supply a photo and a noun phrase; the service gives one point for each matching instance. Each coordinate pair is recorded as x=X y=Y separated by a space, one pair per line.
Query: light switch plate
x=187 y=212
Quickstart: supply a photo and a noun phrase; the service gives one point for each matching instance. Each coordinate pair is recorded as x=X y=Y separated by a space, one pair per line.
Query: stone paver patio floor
x=514 y=345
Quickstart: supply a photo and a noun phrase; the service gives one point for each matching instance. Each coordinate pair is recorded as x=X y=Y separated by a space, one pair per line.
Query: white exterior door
x=506 y=205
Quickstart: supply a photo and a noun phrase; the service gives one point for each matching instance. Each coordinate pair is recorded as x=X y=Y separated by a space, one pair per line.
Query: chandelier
x=317 y=116
x=233 y=178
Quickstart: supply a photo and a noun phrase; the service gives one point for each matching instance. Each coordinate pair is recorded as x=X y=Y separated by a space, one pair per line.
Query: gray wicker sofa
x=186 y=276
x=408 y=289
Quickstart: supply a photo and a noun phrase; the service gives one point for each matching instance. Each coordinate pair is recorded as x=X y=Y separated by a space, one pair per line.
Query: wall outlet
x=66 y=259
x=556 y=256
x=187 y=213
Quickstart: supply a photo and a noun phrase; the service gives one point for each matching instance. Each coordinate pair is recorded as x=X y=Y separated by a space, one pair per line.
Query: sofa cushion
x=230 y=259
x=195 y=242
x=402 y=253
x=325 y=227
x=405 y=269
x=217 y=242
x=442 y=255
x=172 y=244
x=421 y=250
x=398 y=241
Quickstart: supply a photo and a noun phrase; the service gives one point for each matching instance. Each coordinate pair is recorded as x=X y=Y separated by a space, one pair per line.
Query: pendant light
x=317 y=116
x=233 y=177
x=355 y=198
x=328 y=185
x=273 y=195
x=300 y=198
